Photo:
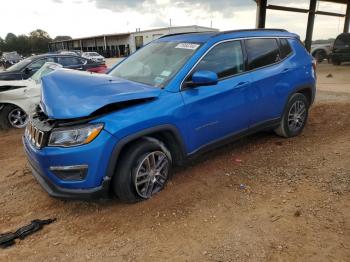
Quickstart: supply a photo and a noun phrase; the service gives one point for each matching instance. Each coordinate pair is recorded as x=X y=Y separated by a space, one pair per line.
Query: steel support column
x=310 y=24
x=261 y=13
x=347 y=18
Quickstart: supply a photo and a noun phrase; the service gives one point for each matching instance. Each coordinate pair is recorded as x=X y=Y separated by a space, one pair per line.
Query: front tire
x=295 y=116
x=320 y=55
x=12 y=116
x=143 y=170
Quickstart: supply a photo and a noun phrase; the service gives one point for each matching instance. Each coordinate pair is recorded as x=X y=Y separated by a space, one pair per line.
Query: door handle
x=286 y=70
x=241 y=84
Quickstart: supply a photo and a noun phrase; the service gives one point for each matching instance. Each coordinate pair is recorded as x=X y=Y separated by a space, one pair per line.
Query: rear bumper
x=341 y=57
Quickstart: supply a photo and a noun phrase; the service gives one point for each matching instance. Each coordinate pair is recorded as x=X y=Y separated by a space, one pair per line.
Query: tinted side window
x=40 y=62
x=225 y=59
x=68 y=61
x=262 y=52
x=285 y=48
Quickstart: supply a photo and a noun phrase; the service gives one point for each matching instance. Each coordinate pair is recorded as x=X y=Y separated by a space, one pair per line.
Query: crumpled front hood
x=68 y=94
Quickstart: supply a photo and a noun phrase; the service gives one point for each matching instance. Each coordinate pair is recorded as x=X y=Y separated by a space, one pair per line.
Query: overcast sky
x=79 y=18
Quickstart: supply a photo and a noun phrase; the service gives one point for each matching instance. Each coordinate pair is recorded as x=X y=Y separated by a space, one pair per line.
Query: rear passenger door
x=271 y=73
x=220 y=110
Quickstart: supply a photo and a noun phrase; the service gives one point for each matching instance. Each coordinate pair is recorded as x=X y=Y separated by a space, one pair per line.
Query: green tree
x=10 y=42
x=39 y=41
x=22 y=45
x=62 y=38
x=2 y=42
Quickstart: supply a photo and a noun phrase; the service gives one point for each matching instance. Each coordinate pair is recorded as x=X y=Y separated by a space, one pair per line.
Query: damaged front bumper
x=93 y=157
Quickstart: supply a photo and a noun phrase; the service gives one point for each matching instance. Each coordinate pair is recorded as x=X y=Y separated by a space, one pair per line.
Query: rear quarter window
x=285 y=48
x=262 y=52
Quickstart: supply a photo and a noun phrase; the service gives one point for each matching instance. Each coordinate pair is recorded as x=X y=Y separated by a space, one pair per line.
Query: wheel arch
x=167 y=134
x=308 y=90
x=313 y=53
x=5 y=103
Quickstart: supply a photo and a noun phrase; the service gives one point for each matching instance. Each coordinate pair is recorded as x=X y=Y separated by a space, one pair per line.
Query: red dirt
x=293 y=204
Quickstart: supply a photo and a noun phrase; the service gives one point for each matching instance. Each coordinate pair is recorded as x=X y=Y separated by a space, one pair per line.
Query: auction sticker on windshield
x=190 y=46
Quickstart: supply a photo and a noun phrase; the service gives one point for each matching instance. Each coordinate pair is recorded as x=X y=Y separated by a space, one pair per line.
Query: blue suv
x=176 y=97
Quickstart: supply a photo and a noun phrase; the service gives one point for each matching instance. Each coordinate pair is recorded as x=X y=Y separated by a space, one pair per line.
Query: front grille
x=35 y=136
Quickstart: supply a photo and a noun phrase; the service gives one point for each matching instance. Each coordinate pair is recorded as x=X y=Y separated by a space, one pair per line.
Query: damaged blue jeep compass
x=178 y=96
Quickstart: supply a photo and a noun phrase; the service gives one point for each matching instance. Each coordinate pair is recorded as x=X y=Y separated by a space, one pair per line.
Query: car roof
x=205 y=36
x=51 y=55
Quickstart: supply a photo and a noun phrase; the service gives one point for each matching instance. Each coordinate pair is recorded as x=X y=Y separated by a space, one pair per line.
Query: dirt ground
x=263 y=198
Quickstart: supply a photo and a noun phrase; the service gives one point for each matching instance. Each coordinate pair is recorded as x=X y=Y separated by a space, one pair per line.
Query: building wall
x=122 y=44
x=151 y=35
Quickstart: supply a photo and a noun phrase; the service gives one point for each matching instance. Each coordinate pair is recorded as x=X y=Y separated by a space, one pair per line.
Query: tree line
x=36 y=42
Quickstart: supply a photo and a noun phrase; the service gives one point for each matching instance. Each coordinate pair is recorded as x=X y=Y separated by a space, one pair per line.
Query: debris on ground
x=8 y=239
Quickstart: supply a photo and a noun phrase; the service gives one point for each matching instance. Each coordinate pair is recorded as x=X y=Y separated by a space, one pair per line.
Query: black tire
x=124 y=179
x=4 y=116
x=320 y=55
x=286 y=127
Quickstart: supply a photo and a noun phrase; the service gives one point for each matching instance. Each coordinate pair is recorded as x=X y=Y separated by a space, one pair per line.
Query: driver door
x=218 y=111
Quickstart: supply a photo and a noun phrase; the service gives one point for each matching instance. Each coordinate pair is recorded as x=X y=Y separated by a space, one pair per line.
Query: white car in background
x=18 y=97
x=94 y=57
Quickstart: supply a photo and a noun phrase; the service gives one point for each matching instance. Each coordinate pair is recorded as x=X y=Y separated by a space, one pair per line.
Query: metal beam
x=329 y=14
x=261 y=13
x=288 y=9
x=310 y=24
x=347 y=18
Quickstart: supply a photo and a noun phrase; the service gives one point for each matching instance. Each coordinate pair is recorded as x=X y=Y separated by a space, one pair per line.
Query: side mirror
x=203 y=78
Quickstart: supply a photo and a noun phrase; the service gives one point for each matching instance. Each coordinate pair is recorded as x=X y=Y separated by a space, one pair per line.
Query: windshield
x=156 y=63
x=19 y=65
x=93 y=54
x=44 y=70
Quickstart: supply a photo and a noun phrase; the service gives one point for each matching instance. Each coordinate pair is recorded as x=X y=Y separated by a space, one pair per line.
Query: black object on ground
x=8 y=239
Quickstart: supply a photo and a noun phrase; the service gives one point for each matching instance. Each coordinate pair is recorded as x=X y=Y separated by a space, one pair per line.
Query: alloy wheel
x=151 y=174
x=18 y=118
x=297 y=116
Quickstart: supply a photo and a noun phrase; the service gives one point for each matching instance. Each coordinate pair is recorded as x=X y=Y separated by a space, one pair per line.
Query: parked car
x=321 y=51
x=94 y=56
x=78 y=52
x=27 y=67
x=173 y=99
x=68 y=53
x=341 y=49
x=10 y=58
x=18 y=97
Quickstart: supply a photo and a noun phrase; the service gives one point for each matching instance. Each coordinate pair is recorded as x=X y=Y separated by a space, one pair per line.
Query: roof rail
x=226 y=32
x=186 y=33
x=250 y=30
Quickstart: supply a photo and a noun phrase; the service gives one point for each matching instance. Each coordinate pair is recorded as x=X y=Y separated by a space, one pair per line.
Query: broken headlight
x=74 y=136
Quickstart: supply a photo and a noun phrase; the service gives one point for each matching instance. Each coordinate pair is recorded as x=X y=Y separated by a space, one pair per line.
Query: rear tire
x=142 y=171
x=12 y=116
x=294 y=117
